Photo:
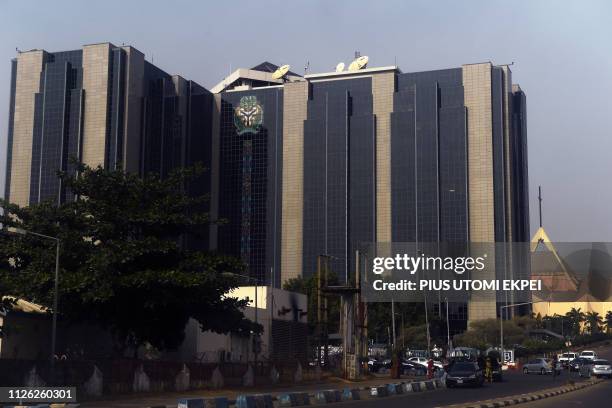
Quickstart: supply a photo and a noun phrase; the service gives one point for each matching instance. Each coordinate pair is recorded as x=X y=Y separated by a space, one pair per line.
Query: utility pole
x=319 y=328
x=540 y=203
x=447 y=325
x=393 y=322
x=427 y=324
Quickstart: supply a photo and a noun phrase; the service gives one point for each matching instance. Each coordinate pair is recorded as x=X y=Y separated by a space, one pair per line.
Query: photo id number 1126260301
x=37 y=394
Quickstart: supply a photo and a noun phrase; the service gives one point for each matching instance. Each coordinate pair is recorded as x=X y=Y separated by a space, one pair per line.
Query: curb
x=319 y=397
x=519 y=399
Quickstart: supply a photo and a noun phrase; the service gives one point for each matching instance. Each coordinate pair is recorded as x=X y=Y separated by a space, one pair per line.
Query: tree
x=609 y=321
x=593 y=322
x=575 y=317
x=486 y=333
x=122 y=265
x=309 y=286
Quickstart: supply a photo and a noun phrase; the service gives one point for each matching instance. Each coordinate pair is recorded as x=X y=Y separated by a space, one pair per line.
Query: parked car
x=410 y=367
x=423 y=361
x=464 y=373
x=565 y=358
x=575 y=364
x=540 y=366
x=590 y=354
x=374 y=365
x=596 y=368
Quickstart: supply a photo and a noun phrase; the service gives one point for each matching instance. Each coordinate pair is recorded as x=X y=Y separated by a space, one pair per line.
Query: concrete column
x=477 y=100
x=383 y=87
x=28 y=79
x=96 y=68
x=295 y=103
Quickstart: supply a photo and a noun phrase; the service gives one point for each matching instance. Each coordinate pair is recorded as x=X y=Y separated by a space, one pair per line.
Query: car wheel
x=542 y=371
x=525 y=370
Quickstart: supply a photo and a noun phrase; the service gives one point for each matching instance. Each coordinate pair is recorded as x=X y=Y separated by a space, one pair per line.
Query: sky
x=561 y=50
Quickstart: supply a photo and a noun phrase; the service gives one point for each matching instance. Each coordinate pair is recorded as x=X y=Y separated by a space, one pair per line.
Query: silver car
x=539 y=366
x=596 y=368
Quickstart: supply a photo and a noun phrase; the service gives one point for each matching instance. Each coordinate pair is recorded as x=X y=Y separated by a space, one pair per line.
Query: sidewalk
x=171 y=398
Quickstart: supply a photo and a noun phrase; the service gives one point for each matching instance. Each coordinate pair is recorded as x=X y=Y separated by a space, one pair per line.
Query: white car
x=589 y=354
x=565 y=358
x=596 y=368
x=423 y=361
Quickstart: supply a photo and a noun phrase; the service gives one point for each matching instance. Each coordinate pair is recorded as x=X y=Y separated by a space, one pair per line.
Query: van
x=589 y=354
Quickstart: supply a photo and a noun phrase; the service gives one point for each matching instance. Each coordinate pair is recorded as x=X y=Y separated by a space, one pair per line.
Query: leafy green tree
x=609 y=321
x=122 y=265
x=486 y=333
x=575 y=318
x=593 y=322
x=309 y=286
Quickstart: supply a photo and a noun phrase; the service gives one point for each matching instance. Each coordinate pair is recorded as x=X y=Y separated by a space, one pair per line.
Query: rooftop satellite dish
x=359 y=63
x=280 y=72
x=340 y=67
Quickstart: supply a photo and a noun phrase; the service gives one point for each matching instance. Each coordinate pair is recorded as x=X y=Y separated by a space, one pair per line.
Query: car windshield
x=587 y=353
x=601 y=362
x=462 y=367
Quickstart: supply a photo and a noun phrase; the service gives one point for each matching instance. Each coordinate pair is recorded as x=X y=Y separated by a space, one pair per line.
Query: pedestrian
x=488 y=370
x=555 y=361
x=481 y=362
x=430 y=368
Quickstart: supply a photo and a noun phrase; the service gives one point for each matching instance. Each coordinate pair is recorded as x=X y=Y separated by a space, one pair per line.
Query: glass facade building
x=376 y=155
x=250 y=178
x=299 y=166
x=101 y=105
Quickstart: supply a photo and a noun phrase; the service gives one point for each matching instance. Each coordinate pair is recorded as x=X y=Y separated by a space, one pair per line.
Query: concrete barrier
x=328 y=396
x=394 y=389
x=430 y=385
x=293 y=399
x=406 y=388
x=380 y=391
x=416 y=387
x=219 y=402
x=254 y=401
x=349 y=394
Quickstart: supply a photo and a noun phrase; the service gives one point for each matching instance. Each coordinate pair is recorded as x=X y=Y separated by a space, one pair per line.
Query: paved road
x=597 y=396
x=514 y=383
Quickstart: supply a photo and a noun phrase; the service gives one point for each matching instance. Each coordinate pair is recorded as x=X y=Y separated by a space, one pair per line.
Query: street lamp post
x=393 y=345
x=447 y=325
x=22 y=231
x=501 y=324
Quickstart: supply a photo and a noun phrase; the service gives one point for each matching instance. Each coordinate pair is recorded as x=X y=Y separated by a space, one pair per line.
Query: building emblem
x=248 y=116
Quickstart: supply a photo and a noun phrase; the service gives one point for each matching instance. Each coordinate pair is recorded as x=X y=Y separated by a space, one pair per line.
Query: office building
x=300 y=166
x=101 y=105
x=319 y=164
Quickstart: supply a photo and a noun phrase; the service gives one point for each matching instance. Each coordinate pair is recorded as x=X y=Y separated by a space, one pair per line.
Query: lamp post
x=22 y=231
x=447 y=325
x=501 y=324
x=248 y=279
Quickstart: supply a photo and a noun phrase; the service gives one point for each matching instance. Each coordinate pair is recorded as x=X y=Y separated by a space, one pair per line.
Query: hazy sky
x=562 y=54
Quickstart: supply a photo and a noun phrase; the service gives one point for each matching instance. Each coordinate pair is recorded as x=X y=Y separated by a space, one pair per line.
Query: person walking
x=488 y=370
x=430 y=368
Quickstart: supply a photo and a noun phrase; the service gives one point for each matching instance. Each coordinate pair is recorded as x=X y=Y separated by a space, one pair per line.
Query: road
x=596 y=396
x=514 y=383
